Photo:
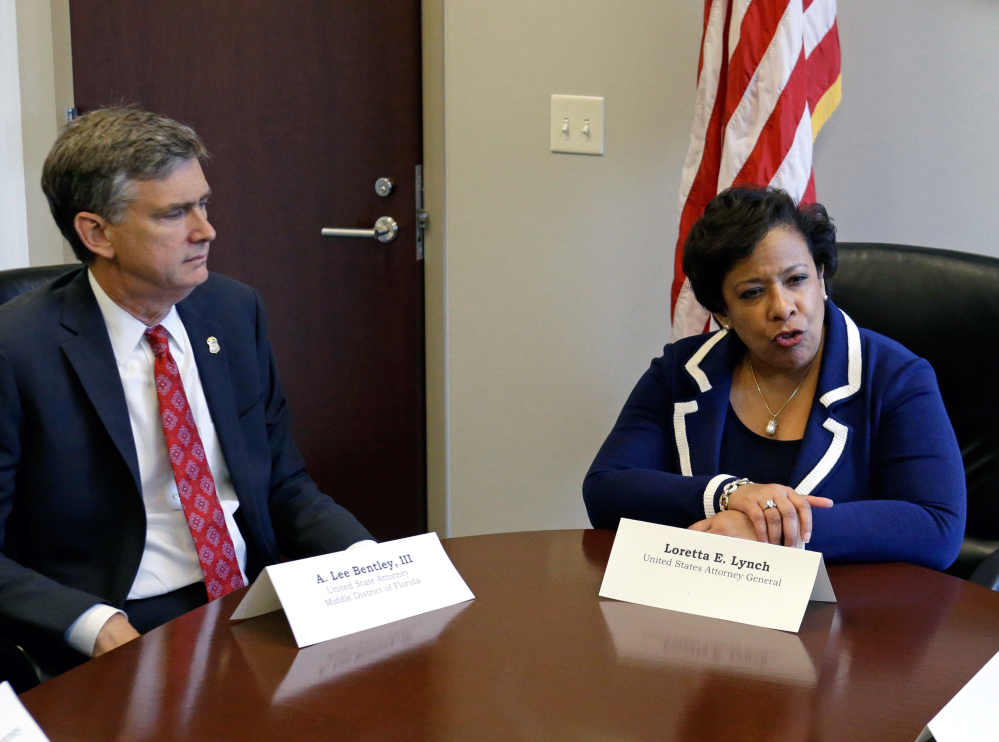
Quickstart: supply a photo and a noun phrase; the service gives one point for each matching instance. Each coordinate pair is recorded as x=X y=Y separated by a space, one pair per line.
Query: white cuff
x=709 y=493
x=361 y=544
x=82 y=634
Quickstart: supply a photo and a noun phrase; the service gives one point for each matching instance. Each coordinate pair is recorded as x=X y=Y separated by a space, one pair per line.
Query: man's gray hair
x=95 y=160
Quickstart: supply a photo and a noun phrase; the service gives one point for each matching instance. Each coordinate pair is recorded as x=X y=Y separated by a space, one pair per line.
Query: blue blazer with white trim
x=878 y=442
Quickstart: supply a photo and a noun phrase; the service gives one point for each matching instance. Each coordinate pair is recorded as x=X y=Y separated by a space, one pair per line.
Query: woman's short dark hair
x=732 y=226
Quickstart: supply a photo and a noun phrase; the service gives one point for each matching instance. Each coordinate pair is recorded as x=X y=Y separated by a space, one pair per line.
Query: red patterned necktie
x=190 y=470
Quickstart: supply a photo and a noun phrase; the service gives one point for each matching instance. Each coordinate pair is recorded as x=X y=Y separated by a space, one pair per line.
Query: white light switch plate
x=575 y=112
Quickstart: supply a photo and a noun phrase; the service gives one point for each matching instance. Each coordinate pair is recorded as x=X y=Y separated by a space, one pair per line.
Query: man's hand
x=790 y=518
x=115 y=632
x=727 y=523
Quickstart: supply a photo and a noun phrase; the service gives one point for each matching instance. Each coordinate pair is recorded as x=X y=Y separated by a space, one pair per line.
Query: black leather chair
x=16 y=665
x=943 y=306
x=17 y=281
x=987 y=573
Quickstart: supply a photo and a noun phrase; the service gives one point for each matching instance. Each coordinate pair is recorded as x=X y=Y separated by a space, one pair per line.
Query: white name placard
x=970 y=715
x=333 y=595
x=15 y=721
x=715 y=576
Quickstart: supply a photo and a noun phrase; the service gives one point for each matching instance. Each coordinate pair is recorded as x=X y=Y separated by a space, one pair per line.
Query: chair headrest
x=18 y=280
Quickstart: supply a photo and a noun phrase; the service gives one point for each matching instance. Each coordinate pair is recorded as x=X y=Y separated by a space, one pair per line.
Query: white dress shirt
x=169 y=559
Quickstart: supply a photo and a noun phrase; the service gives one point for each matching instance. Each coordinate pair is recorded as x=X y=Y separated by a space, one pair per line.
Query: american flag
x=767 y=80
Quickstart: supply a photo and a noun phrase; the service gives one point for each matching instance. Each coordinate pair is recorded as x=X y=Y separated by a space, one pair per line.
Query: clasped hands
x=789 y=522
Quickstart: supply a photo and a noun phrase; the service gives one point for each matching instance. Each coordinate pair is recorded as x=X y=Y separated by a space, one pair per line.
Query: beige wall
x=912 y=153
x=39 y=94
x=13 y=209
x=557 y=267
x=435 y=202
x=547 y=282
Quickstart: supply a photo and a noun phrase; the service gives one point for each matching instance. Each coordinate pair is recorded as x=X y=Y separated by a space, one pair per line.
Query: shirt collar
x=126 y=332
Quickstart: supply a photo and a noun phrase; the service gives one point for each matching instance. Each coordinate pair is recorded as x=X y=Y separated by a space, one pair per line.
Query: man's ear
x=92 y=230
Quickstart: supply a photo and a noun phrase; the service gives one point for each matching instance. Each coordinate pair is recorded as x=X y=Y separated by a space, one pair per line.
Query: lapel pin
x=213 y=344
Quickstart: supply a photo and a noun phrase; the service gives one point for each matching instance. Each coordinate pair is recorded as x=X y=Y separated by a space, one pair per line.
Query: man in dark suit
x=146 y=462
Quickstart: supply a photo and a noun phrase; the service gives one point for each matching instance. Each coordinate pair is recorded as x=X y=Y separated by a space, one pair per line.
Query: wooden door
x=303 y=106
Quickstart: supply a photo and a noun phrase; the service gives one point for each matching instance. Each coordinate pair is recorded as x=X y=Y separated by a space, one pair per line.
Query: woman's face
x=774 y=301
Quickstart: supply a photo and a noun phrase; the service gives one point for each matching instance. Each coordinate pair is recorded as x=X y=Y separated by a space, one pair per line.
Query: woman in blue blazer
x=790 y=424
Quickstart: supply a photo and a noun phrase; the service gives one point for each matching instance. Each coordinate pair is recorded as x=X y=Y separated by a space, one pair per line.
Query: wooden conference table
x=538 y=656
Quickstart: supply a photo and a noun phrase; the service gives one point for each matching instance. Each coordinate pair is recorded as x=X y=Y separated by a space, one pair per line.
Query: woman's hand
x=791 y=517
x=727 y=523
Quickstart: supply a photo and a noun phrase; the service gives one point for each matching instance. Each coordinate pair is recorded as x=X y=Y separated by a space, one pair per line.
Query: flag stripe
x=825 y=107
x=707 y=91
x=689 y=317
x=779 y=132
x=818 y=20
x=795 y=171
x=768 y=79
x=809 y=197
x=739 y=9
x=823 y=66
x=755 y=37
x=761 y=96
x=700 y=172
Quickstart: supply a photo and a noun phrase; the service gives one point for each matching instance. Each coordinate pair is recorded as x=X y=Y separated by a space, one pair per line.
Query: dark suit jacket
x=72 y=520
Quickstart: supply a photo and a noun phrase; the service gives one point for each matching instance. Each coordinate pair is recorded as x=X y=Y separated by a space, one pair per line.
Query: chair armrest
x=974 y=551
x=18 y=667
x=987 y=573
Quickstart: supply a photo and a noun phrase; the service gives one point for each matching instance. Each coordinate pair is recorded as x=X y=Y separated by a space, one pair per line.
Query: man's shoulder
x=224 y=300
x=37 y=310
x=222 y=290
x=227 y=303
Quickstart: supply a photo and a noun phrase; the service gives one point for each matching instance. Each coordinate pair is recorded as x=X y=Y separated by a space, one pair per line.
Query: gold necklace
x=772 y=425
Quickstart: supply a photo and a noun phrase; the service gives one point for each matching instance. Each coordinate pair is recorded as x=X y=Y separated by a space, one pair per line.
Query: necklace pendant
x=772 y=427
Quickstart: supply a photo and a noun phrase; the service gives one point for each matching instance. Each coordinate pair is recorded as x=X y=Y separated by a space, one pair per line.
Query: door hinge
x=421 y=215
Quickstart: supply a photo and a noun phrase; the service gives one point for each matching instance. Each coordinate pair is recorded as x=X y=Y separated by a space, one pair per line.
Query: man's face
x=161 y=246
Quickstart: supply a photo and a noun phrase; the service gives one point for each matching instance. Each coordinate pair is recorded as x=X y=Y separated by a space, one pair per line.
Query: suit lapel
x=698 y=422
x=213 y=369
x=826 y=436
x=90 y=354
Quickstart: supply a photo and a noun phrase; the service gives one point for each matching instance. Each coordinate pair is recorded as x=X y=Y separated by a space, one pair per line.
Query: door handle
x=385 y=230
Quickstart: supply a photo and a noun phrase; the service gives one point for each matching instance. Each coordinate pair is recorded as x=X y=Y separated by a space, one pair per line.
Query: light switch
x=577 y=124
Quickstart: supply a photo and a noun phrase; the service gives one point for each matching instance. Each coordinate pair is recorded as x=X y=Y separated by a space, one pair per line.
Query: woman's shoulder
x=692 y=363
x=888 y=362
x=881 y=349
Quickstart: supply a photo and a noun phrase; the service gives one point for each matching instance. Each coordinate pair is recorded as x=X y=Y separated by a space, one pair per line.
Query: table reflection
x=644 y=635
x=284 y=672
